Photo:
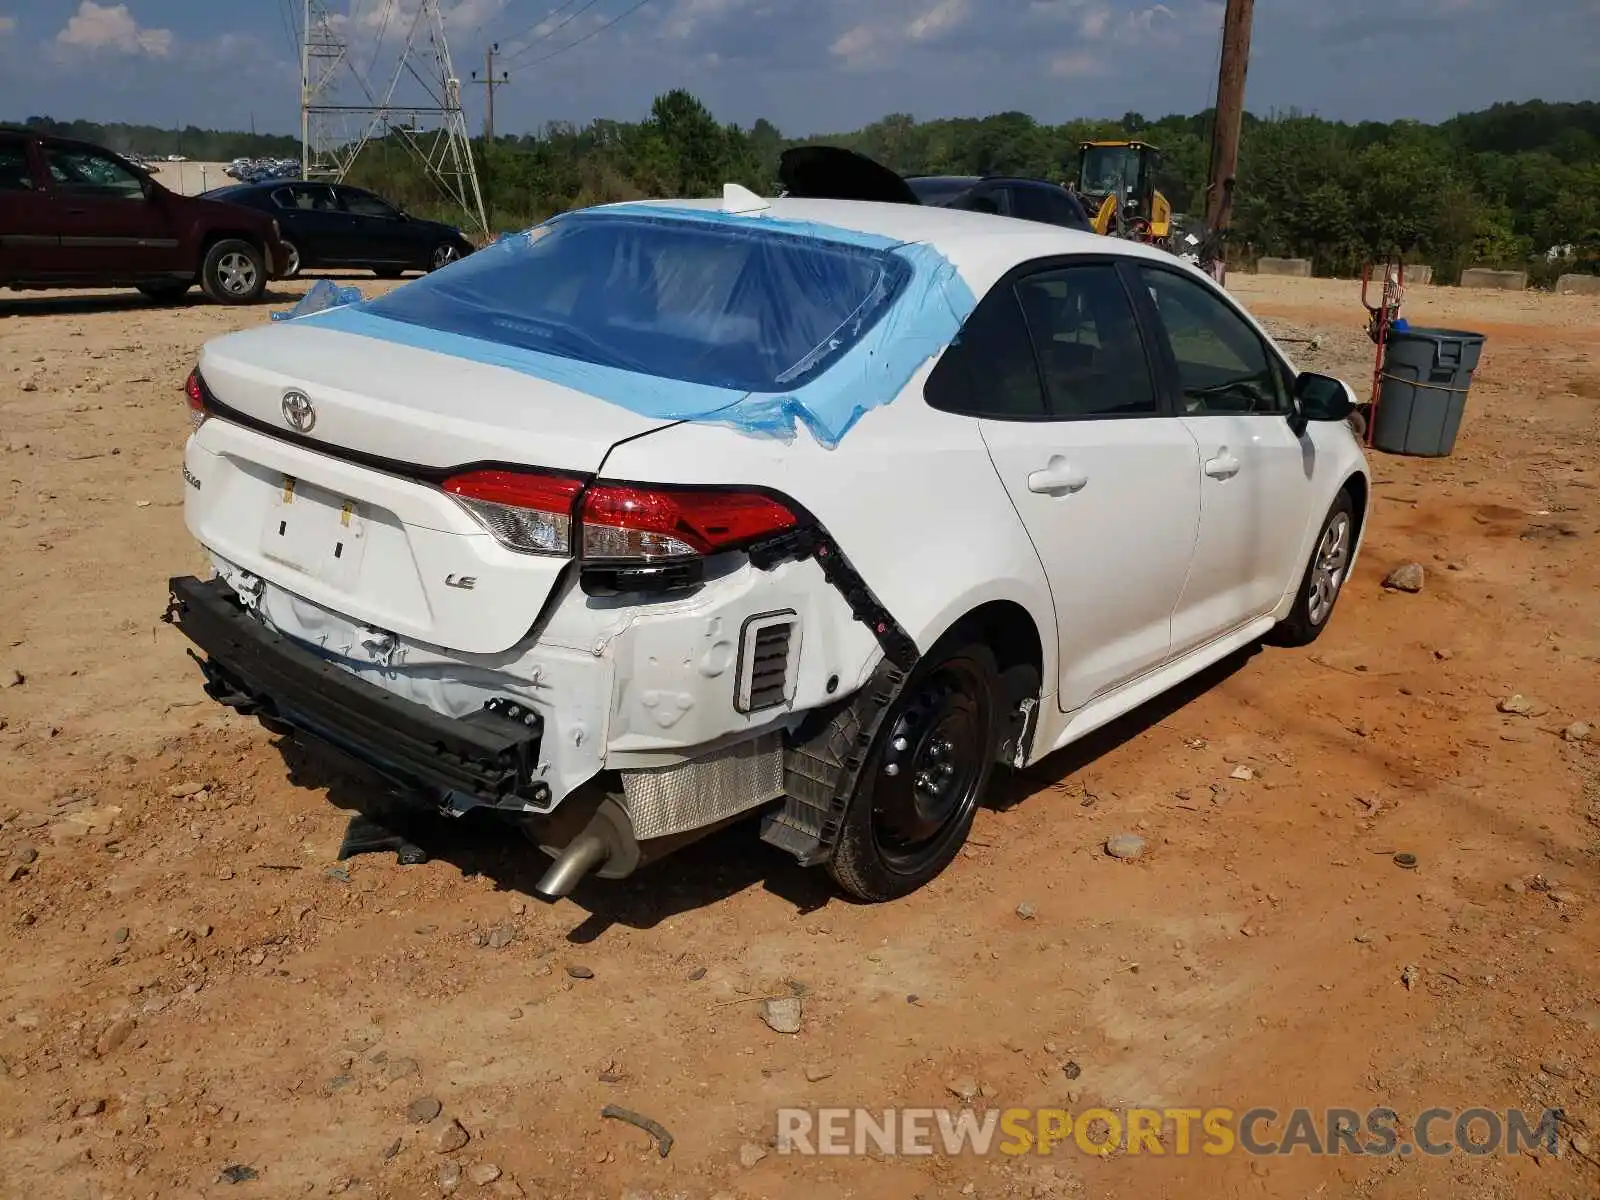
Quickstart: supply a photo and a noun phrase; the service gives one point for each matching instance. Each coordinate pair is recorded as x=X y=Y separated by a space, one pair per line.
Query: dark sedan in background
x=334 y=225
x=1027 y=199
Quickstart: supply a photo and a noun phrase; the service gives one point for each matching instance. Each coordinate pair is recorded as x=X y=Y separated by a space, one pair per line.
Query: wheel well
x=228 y=235
x=1007 y=629
x=1357 y=486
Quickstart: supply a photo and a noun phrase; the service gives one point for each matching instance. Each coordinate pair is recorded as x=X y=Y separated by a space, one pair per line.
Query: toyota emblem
x=297 y=411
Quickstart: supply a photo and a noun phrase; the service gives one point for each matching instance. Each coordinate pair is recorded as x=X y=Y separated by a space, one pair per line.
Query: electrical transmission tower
x=420 y=108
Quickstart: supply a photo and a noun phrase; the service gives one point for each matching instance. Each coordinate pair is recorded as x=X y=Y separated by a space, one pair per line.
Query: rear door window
x=982 y=199
x=15 y=173
x=364 y=204
x=989 y=370
x=307 y=197
x=1049 y=205
x=1087 y=339
x=699 y=301
x=79 y=172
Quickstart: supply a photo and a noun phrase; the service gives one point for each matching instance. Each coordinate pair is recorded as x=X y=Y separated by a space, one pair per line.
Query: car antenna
x=736 y=198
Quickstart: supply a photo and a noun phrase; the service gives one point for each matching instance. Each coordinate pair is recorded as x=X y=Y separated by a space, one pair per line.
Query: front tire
x=234 y=273
x=443 y=255
x=922 y=782
x=1324 y=579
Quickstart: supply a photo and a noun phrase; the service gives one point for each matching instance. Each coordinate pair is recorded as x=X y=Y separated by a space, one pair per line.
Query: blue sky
x=808 y=65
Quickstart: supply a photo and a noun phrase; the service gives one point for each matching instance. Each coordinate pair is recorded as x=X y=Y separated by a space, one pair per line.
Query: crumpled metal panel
x=666 y=800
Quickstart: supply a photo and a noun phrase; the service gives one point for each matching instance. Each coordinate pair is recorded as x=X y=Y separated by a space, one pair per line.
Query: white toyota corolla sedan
x=662 y=515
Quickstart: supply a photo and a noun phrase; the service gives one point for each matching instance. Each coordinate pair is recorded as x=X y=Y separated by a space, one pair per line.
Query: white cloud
x=856 y=45
x=689 y=16
x=1095 y=22
x=941 y=18
x=95 y=27
x=463 y=16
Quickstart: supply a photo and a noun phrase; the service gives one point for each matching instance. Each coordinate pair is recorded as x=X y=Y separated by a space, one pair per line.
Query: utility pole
x=1229 y=118
x=490 y=81
x=305 y=91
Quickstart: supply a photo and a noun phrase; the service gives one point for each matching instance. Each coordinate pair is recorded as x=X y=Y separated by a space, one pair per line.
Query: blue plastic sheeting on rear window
x=684 y=314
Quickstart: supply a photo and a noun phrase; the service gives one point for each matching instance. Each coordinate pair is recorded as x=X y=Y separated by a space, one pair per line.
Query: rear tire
x=1324 y=578
x=922 y=782
x=165 y=293
x=234 y=272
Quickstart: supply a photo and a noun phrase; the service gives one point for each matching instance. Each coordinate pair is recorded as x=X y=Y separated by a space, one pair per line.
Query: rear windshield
x=706 y=302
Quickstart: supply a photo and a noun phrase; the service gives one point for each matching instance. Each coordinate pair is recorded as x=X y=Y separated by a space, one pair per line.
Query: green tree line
x=1501 y=187
x=202 y=145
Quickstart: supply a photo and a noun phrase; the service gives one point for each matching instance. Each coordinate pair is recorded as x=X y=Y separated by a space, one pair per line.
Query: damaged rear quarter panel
x=675 y=661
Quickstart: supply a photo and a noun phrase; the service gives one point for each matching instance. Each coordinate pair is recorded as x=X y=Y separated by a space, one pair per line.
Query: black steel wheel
x=921 y=785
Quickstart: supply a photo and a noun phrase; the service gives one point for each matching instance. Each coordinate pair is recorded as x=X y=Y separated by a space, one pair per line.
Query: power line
x=554 y=29
x=627 y=12
x=288 y=27
x=383 y=28
x=554 y=12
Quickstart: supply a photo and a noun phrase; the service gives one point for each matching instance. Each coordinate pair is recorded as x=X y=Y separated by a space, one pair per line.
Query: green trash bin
x=1426 y=375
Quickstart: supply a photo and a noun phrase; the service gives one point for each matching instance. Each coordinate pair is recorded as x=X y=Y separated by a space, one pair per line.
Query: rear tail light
x=524 y=510
x=636 y=523
x=631 y=538
x=194 y=391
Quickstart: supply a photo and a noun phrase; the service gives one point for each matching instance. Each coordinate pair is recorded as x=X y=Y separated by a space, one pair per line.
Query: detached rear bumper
x=489 y=757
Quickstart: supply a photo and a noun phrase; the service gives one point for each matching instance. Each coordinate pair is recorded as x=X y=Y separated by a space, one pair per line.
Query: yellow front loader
x=1116 y=180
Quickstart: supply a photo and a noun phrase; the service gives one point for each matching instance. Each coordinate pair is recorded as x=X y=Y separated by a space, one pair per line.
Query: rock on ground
x=1126 y=846
x=782 y=1014
x=1407 y=577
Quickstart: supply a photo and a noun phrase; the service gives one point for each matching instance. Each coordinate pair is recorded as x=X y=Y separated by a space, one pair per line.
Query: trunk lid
x=412 y=405
x=371 y=535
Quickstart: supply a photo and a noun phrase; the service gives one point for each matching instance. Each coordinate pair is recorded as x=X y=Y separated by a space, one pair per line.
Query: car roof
x=983 y=246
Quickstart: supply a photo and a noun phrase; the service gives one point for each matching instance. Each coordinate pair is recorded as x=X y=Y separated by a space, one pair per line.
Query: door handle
x=1058 y=476
x=1223 y=466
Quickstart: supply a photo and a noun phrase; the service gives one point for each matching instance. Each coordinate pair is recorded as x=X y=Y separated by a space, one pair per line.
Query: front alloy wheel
x=443 y=255
x=1324 y=577
x=1328 y=567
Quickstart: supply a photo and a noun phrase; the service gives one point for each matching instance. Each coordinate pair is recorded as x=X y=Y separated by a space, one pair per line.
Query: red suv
x=76 y=215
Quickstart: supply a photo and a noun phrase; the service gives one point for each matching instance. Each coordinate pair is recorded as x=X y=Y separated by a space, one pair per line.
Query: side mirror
x=1320 y=398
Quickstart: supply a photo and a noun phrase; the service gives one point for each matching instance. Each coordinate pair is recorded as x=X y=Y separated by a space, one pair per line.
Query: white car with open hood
x=662 y=515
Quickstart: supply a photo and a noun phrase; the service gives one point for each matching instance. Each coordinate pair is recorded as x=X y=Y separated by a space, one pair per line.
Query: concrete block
x=1503 y=281
x=1418 y=273
x=1578 y=285
x=1298 y=267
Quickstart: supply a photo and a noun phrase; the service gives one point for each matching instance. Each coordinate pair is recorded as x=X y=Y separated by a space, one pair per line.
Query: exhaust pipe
x=585 y=838
x=586 y=852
